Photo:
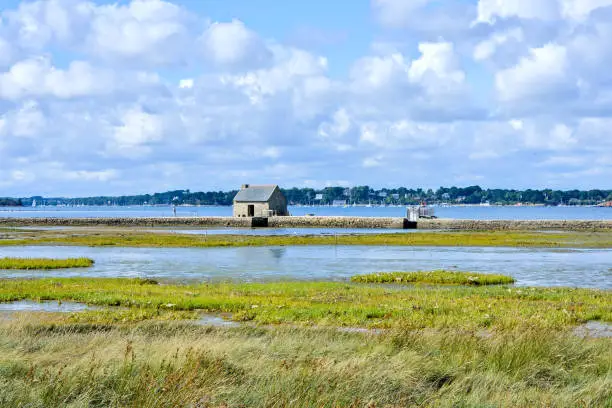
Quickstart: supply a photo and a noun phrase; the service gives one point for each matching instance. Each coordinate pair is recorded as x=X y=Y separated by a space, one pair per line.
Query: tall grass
x=44 y=263
x=440 y=277
x=173 y=365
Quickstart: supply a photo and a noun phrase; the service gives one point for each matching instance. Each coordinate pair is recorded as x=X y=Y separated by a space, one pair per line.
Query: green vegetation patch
x=332 y=304
x=440 y=277
x=44 y=263
x=108 y=236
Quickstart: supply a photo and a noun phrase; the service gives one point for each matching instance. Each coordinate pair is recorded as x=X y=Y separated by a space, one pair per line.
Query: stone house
x=260 y=201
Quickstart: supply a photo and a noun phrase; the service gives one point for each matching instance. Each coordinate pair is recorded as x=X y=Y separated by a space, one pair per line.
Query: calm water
x=477 y=213
x=537 y=267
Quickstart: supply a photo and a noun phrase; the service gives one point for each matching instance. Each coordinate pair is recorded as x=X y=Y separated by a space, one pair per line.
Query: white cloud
x=37 y=77
x=96 y=96
x=404 y=134
x=292 y=69
x=576 y=10
x=378 y=72
x=543 y=73
x=339 y=126
x=233 y=44
x=186 y=83
x=26 y=120
x=136 y=133
x=581 y=9
x=141 y=31
x=487 y=48
x=490 y=10
x=437 y=70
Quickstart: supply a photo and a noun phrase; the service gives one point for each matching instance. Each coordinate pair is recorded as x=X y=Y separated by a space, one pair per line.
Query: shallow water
x=216 y=321
x=594 y=330
x=50 y=307
x=460 y=212
x=285 y=231
x=533 y=267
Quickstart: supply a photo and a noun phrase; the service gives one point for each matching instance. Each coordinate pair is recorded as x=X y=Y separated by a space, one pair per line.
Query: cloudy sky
x=101 y=97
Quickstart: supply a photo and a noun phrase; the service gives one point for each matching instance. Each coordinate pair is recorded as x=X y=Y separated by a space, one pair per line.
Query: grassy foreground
x=325 y=303
x=44 y=263
x=450 y=346
x=135 y=238
x=435 y=278
x=177 y=365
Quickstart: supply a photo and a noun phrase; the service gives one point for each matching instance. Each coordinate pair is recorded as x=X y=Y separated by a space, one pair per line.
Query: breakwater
x=314 y=222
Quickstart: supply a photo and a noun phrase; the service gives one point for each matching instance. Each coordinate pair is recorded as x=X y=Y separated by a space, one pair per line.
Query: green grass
x=134 y=238
x=178 y=365
x=435 y=278
x=328 y=303
x=44 y=263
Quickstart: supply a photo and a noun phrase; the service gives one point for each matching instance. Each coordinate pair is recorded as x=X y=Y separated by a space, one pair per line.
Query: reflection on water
x=540 y=267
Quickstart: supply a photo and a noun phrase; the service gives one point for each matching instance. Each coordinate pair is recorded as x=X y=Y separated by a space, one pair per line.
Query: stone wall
x=530 y=225
x=314 y=222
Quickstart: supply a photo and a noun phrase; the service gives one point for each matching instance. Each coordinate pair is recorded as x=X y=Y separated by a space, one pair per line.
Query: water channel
x=590 y=268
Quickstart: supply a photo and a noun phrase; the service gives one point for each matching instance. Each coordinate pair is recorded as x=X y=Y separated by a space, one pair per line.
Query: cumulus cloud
x=486 y=49
x=97 y=97
x=135 y=134
x=37 y=77
x=234 y=45
x=577 y=10
x=437 y=70
x=543 y=74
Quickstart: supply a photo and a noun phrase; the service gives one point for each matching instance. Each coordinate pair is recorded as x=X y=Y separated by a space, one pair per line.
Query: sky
x=137 y=96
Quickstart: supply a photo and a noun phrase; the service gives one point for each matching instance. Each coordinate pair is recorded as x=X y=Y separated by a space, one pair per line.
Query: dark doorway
x=251 y=210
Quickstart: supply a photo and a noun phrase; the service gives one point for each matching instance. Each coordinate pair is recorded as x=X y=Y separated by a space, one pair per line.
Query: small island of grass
x=44 y=263
x=440 y=277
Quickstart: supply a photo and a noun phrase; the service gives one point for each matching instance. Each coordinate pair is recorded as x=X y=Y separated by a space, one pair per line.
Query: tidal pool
x=590 y=268
x=50 y=307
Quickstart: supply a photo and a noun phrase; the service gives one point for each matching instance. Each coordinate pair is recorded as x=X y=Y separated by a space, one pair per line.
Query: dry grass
x=178 y=365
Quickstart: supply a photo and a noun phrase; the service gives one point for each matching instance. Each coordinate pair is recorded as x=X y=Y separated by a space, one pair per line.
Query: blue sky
x=101 y=97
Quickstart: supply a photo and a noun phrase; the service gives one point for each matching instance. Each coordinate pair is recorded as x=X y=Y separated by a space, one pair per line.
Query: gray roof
x=255 y=194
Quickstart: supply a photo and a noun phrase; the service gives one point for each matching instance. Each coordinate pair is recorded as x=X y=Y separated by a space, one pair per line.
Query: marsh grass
x=328 y=303
x=440 y=277
x=44 y=263
x=155 y=364
x=134 y=238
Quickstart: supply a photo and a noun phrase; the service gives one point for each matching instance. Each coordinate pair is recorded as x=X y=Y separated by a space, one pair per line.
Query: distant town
x=361 y=195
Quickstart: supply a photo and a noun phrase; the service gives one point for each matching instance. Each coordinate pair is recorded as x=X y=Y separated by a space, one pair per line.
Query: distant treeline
x=10 y=202
x=357 y=195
